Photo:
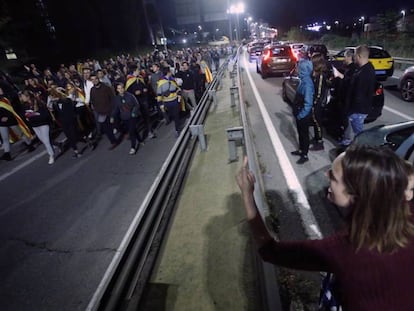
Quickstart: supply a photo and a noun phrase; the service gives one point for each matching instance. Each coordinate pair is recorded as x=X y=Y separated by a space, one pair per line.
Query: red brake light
x=293 y=56
x=379 y=91
x=267 y=55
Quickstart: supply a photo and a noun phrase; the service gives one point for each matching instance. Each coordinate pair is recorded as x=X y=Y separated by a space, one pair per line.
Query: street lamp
x=403 y=19
x=237 y=9
x=362 y=21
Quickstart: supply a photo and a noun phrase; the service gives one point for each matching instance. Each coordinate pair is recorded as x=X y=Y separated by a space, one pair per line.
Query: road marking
x=309 y=222
x=22 y=165
x=402 y=115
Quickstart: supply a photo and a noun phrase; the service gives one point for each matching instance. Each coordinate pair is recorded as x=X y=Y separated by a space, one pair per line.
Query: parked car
x=275 y=59
x=296 y=49
x=331 y=118
x=407 y=84
x=255 y=51
x=398 y=136
x=381 y=60
x=317 y=48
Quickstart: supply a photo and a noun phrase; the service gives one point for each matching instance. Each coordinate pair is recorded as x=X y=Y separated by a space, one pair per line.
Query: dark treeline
x=56 y=31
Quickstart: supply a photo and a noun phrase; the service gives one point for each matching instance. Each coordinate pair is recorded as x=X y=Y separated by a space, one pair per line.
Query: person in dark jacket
x=101 y=101
x=188 y=84
x=138 y=85
x=65 y=112
x=360 y=94
x=126 y=110
x=39 y=119
x=342 y=81
x=11 y=124
x=303 y=108
x=320 y=81
x=372 y=256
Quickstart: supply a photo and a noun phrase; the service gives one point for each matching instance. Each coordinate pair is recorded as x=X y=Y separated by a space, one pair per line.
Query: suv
x=381 y=60
x=255 y=50
x=296 y=49
x=275 y=59
x=318 y=48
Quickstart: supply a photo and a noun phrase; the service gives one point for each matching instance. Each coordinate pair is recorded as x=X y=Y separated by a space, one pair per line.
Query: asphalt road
x=61 y=224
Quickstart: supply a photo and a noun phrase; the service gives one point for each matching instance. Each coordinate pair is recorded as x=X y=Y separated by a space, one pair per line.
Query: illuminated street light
x=236 y=9
x=362 y=21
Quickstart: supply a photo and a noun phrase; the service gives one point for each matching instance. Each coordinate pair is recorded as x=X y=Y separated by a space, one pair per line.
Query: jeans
x=356 y=123
x=42 y=132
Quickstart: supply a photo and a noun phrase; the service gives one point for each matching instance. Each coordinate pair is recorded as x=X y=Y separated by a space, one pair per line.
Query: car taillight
x=379 y=91
x=267 y=55
x=293 y=56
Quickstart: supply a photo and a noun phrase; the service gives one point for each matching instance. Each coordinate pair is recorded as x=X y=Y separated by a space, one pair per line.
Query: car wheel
x=264 y=74
x=407 y=89
x=284 y=95
x=410 y=157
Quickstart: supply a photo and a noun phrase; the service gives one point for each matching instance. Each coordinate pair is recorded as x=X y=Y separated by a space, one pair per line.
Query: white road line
x=402 y=115
x=309 y=222
x=22 y=165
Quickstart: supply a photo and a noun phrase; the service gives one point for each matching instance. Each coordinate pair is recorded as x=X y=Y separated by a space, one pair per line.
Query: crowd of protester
x=124 y=96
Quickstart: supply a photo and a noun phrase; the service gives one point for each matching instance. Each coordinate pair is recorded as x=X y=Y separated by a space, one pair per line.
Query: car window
x=341 y=54
x=377 y=53
x=280 y=51
x=296 y=46
x=398 y=137
x=257 y=47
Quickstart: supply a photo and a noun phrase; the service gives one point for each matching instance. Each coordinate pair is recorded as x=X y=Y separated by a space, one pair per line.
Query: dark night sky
x=288 y=13
x=284 y=13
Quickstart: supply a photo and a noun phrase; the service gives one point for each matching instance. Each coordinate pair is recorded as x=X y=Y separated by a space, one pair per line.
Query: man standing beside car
x=359 y=95
x=342 y=87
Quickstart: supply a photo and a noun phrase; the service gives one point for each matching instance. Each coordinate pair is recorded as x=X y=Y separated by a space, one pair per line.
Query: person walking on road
x=168 y=98
x=102 y=104
x=372 y=257
x=39 y=119
x=11 y=124
x=188 y=85
x=126 y=110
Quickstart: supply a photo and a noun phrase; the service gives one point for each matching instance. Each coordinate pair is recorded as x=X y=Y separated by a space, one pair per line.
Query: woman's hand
x=245 y=178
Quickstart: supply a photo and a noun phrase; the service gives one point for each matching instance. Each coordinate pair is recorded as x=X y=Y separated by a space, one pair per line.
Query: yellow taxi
x=381 y=60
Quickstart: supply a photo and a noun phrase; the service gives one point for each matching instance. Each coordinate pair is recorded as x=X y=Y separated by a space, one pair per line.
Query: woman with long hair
x=65 y=110
x=39 y=118
x=372 y=257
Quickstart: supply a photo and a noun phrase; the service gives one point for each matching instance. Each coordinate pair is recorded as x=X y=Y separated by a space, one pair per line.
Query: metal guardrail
x=123 y=285
x=267 y=272
x=404 y=61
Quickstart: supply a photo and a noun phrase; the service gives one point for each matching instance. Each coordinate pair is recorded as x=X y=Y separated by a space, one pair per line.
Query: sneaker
x=303 y=158
x=317 y=146
x=152 y=135
x=345 y=142
x=76 y=155
x=30 y=148
x=132 y=151
x=113 y=146
x=51 y=160
x=6 y=156
x=296 y=153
